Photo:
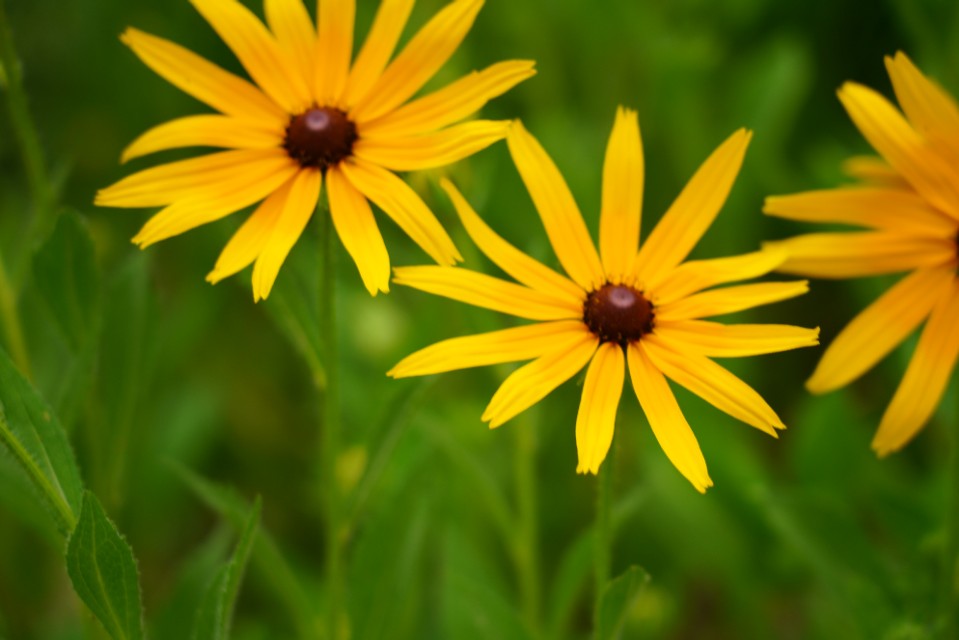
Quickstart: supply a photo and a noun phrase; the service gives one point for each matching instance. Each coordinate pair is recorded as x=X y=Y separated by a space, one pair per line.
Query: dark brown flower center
x=320 y=137
x=618 y=313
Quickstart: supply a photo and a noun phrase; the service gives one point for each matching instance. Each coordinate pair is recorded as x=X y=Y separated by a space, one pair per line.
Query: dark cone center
x=617 y=313
x=320 y=137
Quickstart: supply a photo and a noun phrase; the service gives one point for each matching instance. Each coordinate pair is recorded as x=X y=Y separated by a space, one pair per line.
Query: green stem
x=12 y=328
x=39 y=478
x=330 y=441
x=949 y=581
x=527 y=546
x=603 y=539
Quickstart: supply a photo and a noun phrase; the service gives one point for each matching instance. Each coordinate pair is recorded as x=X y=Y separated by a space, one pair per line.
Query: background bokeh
x=809 y=536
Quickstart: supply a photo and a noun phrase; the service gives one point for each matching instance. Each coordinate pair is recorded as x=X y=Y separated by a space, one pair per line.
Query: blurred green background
x=805 y=537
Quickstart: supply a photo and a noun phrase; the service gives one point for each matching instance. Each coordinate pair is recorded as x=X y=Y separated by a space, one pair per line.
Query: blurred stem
x=527 y=548
x=949 y=581
x=27 y=137
x=604 y=534
x=331 y=426
x=12 y=328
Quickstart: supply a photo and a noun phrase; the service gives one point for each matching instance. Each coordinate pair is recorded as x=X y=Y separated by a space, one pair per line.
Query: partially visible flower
x=909 y=203
x=618 y=307
x=312 y=117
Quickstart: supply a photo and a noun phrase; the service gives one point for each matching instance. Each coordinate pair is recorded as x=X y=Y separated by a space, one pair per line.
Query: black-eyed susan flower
x=313 y=117
x=908 y=204
x=618 y=307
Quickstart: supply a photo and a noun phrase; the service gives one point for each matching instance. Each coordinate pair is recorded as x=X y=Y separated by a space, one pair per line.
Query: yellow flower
x=311 y=117
x=909 y=202
x=618 y=307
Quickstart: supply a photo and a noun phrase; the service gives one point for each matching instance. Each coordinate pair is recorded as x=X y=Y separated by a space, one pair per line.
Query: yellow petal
x=930 y=109
x=420 y=59
x=692 y=212
x=273 y=69
x=485 y=291
x=716 y=340
x=496 y=347
x=889 y=134
x=564 y=223
x=204 y=131
x=866 y=253
x=191 y=212
x=196 y=178
x=901 y=210
x=596 y=418
x=666 y=419
x=247 y=243
x=875 y=171
x=926 y=377
x=622 y=196
x=510 y=259
x=204 y=80
x=729 y=300
x=532 y=382
x=697 y=275
x=387 y=26
x=430 y=150
x=406 y=209
x=879 y=328
x=453 y=102
x=299 y=206
x=714 y=384
x=334 y=47
x=358 y=232
x=292 y=26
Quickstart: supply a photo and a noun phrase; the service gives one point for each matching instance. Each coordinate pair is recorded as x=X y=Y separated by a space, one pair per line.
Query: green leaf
x=32 y=434
x=65 y=272
x=618 y=598
x=104 y=573
x=216 y=611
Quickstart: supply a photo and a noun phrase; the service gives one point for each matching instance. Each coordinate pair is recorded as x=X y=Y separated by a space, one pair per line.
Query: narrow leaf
x=103 y=571
x=618 y=598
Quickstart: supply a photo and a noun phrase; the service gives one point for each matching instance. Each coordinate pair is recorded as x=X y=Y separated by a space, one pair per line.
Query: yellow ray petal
x=195 y=177
x=391 y=17
x=879 y=328
x=930 y=109
x=247 y=243
x=889 y=134
x=875 y=171
x=729 y=300
x=299 y=206
x=334 y=47
x=866 y=253
x=564 y=223
x=510 y=259
x=420 y=59
x=204 y=131
x=189 y=213
x=714 y=384
x=697 y=275
x=431 y=150
x=596 y=418
x=358 y=232
x=532 y=382
x=666 y=419
x=901 y=210
x=692 y=212
x=452 y=103
x=926 y=377
x=204 y=80
x=401 y=203
x=716 y=340
x=485 y=291
x=292 y=26
x=496 y=347
x=273 y=69
x=622 y=196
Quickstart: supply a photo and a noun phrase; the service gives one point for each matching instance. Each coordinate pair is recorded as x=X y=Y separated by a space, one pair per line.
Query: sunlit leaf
x=618 y=598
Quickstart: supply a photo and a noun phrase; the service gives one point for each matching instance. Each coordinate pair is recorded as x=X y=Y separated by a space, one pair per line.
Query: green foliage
x=618 y=599
x=104 y=573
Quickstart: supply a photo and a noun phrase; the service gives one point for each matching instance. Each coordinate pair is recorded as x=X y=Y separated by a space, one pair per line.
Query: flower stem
x=527 y=546
x=330 y=441
x=949 y=581
x=10 y=318
x=603 y=538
